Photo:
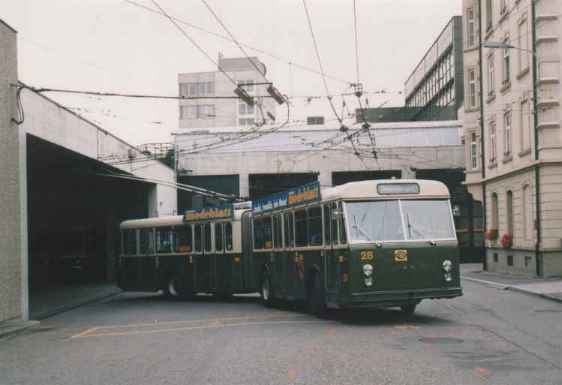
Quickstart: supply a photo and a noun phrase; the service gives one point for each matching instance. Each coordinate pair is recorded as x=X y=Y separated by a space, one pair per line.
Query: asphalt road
x=488 y=336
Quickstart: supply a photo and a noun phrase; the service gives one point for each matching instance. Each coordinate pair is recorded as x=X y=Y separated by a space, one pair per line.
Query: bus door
x=296 y=272
x=278 y=256
x=202 y=265
x=287 y=255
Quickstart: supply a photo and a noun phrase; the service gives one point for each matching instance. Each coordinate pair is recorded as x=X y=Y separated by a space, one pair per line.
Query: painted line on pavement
x=189 y=328
x=489 y=283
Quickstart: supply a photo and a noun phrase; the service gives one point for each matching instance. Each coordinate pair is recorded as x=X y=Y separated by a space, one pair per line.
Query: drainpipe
x=538 y=256
x=482 y=138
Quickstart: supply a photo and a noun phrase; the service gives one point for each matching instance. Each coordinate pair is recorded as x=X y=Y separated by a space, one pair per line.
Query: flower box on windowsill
x=507 y=158
x=506 y=85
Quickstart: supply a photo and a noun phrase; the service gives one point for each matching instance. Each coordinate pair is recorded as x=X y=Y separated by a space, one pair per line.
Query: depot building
x=63 y=196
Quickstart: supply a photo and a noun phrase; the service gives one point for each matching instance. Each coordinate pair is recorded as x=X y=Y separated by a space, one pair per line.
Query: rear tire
x=316 y=301
x=409 y=309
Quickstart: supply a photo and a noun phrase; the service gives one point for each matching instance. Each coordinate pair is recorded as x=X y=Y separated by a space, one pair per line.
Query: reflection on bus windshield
x=395 y=220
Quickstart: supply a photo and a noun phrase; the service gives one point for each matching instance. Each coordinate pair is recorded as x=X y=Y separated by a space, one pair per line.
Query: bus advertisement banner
x=304 y=194
x=209 y=213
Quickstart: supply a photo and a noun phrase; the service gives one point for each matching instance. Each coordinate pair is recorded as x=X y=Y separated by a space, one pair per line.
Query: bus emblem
x=401 y=256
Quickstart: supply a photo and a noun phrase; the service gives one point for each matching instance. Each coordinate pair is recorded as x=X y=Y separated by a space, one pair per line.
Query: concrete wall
x=13 y=242
x=56 y=124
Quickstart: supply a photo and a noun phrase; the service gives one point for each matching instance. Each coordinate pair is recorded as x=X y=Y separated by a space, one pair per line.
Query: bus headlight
x=447 y=266
x=368 y=270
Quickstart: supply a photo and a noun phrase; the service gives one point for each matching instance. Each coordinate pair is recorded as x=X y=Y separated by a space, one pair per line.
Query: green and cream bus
x=377 y=243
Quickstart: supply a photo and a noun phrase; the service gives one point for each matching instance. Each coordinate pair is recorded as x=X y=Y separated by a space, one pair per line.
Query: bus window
x=163 y=240
x=218 y=236
x=146 y=241
x=289 y=230
x=301 y=236
x=277 y=235
x=262 y=233
x=228 y=235
x=198 y=236
x=183 y=239
x=327 y=221
x=208 y=239
x=314 y=226
x=130 y=242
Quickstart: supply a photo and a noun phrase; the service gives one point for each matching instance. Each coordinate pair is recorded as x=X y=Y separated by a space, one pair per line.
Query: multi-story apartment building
x=434 y=89
x=215 y=112
x=513 y=140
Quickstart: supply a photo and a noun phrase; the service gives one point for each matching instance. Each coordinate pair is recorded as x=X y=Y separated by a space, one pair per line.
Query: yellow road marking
x=85 y=332
x=187 y=328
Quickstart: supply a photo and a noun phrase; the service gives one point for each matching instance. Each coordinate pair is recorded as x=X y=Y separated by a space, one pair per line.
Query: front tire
x=266 y=293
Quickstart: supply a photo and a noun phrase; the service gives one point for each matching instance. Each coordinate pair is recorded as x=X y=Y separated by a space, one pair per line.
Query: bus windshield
x=399 y=220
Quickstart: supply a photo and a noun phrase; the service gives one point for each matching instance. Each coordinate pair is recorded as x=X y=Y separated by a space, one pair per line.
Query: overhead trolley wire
x=259 y=50
x=320 y=61
x=186 y=35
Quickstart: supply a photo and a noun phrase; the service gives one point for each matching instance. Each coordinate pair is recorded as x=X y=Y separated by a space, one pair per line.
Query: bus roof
x=369 y=189
x=171 y=220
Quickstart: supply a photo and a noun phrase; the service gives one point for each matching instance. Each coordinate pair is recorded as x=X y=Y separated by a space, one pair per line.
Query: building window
x=495 y=212
x=197 y=89
x=507 y=133
x=527 y=220
x=491 y=75
x=197 y=111
x=472 y=94
x=510 y=260
x=473 y=151
x=489 y=16
x=245 y=109
x=247 y=85
x=493 y=143
x=525 y=126
x=509 y=213
x=246 y=122
x=523 y=43
x=470 y=27
x=506 y=64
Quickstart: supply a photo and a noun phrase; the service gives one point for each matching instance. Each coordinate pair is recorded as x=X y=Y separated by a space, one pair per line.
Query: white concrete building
x=513 y=140
x=209 y=113
x=56 y=191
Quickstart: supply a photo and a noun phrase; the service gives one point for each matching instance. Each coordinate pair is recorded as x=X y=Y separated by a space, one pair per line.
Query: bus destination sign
x=209 y=213
x=308 y=193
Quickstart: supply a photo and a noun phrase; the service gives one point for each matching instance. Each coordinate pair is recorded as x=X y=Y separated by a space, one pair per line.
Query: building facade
x=513 y=141
x=215 y=112
x=434 y=90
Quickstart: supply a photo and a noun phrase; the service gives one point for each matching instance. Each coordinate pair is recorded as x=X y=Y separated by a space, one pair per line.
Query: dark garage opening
x=225 y=184
x=266 y=184
x=73 y=219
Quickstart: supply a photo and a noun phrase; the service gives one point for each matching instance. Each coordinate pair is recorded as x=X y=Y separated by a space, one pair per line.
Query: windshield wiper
x=360 y=229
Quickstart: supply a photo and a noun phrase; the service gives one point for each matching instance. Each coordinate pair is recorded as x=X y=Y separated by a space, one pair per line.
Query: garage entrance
x=73 y=219
x=266 y=184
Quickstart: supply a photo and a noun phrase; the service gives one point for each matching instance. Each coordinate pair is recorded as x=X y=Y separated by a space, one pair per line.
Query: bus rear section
x=401 y=251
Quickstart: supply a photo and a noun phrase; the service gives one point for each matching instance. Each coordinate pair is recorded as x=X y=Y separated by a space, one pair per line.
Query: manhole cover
x=441 y=340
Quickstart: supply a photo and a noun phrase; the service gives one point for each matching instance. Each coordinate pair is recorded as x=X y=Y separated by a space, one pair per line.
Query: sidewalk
x=550 y=288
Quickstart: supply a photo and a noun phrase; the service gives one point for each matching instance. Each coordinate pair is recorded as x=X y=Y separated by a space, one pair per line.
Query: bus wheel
x=409 y=309
x=265 y=291
x=316 y=301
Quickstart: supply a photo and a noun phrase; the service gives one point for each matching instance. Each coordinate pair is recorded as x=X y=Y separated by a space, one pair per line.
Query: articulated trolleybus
x=378 y=243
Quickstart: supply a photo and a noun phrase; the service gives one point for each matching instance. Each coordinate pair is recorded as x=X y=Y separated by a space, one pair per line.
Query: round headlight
x=368 y=270
x=447 y=265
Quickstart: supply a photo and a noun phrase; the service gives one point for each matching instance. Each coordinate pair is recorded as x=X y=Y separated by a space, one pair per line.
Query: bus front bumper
x=390 y=298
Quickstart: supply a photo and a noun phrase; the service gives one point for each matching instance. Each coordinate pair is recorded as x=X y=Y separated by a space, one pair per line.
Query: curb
x=10 y=328
x=71 y=306
x=512 y=288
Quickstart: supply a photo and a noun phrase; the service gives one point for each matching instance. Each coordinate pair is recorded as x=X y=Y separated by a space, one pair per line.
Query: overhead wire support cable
x=186 y=35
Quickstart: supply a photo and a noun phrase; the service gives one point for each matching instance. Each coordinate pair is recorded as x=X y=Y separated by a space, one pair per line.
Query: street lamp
x=503 y=45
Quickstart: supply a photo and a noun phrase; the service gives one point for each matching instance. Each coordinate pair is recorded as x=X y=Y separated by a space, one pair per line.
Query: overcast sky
x=113 y=45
